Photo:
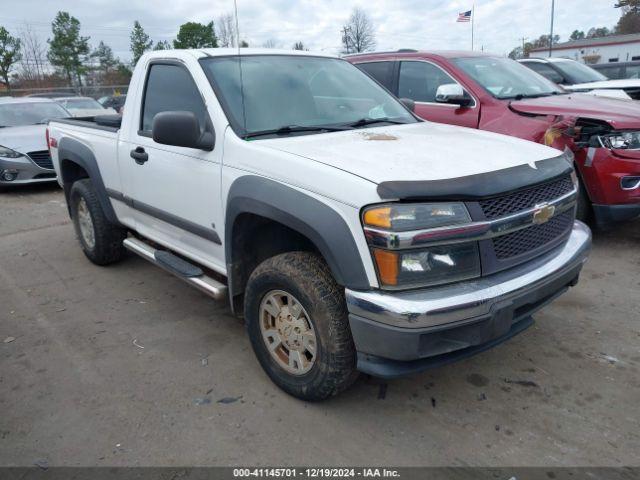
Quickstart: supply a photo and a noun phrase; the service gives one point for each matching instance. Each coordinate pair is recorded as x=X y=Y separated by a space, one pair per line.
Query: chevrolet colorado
x=351 y=235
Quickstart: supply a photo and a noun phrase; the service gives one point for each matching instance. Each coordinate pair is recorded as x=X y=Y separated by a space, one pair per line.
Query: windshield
x=578 y=72
x=81 y=104
x=505 y=78
x=31 y=113
x=300 y=92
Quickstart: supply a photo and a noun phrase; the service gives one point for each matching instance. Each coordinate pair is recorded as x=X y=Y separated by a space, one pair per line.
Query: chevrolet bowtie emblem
x=543 y=213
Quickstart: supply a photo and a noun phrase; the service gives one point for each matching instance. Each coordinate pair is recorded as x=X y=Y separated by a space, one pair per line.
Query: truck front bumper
x=399 y=333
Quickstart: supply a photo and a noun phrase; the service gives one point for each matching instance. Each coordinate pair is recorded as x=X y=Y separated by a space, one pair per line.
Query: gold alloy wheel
x=86 y=224
x=287 y=332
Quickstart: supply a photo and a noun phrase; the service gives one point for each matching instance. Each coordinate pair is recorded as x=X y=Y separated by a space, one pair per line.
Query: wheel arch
x=299 y=222
x=77 y=161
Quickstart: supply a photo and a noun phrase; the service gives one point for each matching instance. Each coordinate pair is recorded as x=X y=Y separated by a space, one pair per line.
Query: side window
x=632 y=71
x=419 y=81
x=546 y=71
x=614 y=73
x=381 y=71
x=170 y=87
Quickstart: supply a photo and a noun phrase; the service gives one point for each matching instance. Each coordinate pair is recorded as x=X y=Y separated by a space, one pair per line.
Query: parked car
x=113 y=101
x=334 y=220
x=50 y=95
x=24 y=157
x=619 y=70
x=84 y=106
x=500 y=95
x=578 y=77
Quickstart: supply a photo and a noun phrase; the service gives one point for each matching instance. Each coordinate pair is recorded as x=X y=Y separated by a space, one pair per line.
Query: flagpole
x=473 y=19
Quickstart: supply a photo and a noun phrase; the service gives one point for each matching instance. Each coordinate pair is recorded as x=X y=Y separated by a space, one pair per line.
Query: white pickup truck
x=351 y=235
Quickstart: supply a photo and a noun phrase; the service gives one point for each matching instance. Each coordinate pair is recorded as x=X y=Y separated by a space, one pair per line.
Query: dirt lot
x=127 y=365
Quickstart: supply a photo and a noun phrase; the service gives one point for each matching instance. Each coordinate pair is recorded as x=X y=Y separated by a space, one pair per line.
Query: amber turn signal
x=387 y=263
x=378 y=217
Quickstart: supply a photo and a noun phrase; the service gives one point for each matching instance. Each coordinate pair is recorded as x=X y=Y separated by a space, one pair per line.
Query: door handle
x=139 y=155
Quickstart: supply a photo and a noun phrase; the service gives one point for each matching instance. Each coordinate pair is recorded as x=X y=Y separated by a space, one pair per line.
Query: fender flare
x=321 y=224
x=71 y=150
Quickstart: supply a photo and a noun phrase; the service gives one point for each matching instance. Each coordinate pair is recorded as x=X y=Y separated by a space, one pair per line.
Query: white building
x=616 y=48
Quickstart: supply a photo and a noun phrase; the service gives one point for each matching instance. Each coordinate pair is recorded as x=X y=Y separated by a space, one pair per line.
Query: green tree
x=597 y=32
x=576 y=35
x=9 y=54
x=104 y=55
x=631 y=5
x=299 y=46
x=196 y=35
x=630 y=20
x=162 y=45
x=244 y=44
x=140 y=42
x=68 y=49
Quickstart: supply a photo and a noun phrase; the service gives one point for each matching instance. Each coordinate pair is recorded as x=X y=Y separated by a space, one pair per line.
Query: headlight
x=8 y=153
x=621 y=140
x=400 y=266
x=428 y=266
x=401 y=217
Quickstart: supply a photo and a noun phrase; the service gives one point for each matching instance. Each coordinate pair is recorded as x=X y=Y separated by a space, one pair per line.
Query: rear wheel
x=101 y=241
x=298 y=325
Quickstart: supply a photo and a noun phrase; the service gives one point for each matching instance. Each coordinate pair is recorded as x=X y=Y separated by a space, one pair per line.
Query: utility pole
x=553 y=5
x=524 y=39
x=345 y=33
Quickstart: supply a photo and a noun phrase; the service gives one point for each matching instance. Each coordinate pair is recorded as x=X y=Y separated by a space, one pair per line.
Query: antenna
x=244 y=113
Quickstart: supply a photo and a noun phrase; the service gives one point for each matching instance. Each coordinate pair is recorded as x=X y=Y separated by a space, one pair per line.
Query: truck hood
x=420 y=151
x=28 y=138
x=620 y=114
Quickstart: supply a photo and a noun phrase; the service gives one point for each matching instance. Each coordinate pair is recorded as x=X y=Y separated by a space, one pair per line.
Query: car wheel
x=298 y=325
x=101 y=241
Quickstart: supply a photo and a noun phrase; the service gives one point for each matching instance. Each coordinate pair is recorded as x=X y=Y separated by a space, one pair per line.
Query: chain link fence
x=89 y=91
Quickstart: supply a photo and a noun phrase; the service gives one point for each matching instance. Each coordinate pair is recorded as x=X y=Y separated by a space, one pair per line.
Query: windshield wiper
x=363 y=122
x=289 y=129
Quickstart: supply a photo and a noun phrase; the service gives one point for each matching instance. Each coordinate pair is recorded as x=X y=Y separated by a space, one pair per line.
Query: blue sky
x=427 y=24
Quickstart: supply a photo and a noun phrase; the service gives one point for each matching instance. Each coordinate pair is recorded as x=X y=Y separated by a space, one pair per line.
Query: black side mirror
x=181 y=129
x=410 y=104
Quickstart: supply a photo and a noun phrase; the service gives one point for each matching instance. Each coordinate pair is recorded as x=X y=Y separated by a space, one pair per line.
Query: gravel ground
x=127 y=365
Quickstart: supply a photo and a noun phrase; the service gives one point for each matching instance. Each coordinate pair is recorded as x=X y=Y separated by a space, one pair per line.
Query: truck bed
x=109 y=123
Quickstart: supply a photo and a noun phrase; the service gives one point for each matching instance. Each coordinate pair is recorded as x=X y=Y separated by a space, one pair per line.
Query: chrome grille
x=525 y=199
x=533 y=237
x=42 y=159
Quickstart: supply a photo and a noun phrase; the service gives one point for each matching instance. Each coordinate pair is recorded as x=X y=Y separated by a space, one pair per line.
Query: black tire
x=584 y=211
x=107 y=247
x=308 y=278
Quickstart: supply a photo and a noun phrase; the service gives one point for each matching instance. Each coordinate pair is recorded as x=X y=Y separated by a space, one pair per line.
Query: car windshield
x=29 y=113
x=299 y=94
x=578 y=72
x=505 y=78
x=81 y=104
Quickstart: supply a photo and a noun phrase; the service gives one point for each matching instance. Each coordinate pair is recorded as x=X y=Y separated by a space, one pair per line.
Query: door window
x=419 y=81
x=381 y=71
x=546 y=71
x=171 y=88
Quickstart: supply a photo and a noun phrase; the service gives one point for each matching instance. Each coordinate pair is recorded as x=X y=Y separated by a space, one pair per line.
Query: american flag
x=464 y=16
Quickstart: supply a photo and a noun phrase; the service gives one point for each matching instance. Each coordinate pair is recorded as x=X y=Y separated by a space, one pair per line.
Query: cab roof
x=404 y=52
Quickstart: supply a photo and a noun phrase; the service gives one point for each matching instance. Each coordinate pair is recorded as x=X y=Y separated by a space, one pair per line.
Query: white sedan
x=84 y=106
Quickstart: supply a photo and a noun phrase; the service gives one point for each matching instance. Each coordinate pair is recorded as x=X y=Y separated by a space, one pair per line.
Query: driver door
x=419 y=80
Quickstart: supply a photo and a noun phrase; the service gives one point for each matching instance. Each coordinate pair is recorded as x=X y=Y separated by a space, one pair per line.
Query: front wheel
x=298 y=326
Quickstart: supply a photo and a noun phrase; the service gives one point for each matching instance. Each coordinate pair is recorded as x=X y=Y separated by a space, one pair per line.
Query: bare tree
x=358 y=33
x=34 y=55
x=226 y=30
x=270 y=43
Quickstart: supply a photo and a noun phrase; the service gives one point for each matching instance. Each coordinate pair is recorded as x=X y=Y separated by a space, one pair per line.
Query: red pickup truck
x=500 y=95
